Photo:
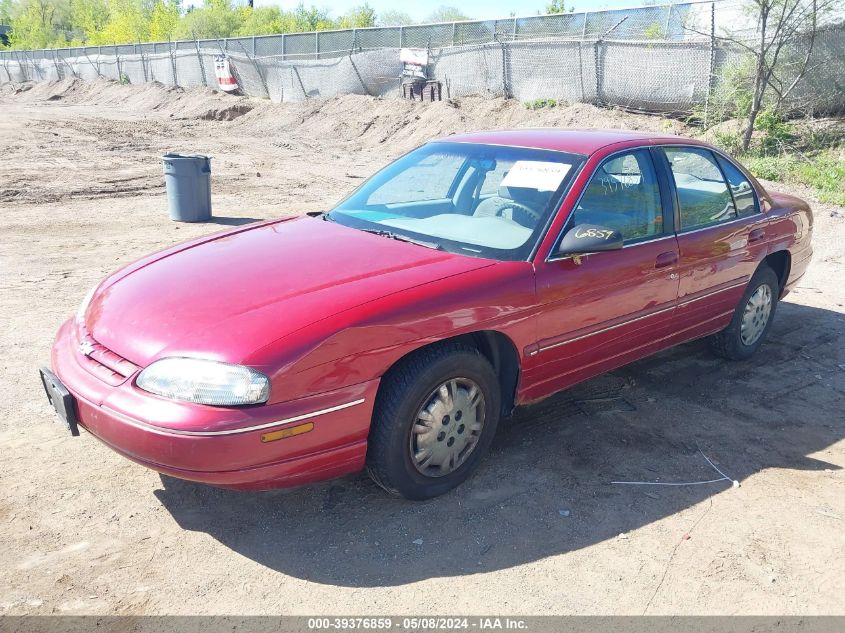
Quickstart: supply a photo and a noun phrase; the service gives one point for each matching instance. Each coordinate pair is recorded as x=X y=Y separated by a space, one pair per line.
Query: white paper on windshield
x=536 y=174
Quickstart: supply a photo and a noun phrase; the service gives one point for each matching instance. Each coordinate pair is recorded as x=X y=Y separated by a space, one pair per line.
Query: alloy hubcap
x=447 y=427
x=756 y=315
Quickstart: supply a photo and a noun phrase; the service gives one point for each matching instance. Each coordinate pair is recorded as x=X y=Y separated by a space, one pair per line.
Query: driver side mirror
x=589 y=238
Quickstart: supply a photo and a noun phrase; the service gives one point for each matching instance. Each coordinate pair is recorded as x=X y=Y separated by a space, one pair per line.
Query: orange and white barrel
x=225 y=79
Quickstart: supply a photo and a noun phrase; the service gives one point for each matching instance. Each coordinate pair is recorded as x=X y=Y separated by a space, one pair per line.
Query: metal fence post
x=454 y=33
x=599 y=45
x=711 y=74
x=202 y=65
x=401 y=37
x=505 y=87
x=316 y=44
x=284 y=48
x=117 y=60
x=170 y=45
x=253 y=45
x=255 y=65
x=668 y=22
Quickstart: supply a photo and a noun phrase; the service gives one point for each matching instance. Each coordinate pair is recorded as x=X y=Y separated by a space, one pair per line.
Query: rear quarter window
x=743 y=192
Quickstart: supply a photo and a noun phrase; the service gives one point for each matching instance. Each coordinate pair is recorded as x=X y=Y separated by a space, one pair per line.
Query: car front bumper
x=227 y=447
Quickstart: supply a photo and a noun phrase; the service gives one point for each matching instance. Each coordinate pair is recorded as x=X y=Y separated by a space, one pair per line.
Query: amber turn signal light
x=281 y=434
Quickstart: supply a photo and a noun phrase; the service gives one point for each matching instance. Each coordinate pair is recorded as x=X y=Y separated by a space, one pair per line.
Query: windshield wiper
x=403 y=238
x=323 y=215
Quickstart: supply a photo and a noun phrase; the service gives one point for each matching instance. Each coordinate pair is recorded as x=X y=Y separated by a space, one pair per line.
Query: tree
x=782 y=26
x=127 y=23
x=5 y=12
x=34 y=24
x=164 y=17
x=358 y=17
x=447 y=14
x=88 y=17
x=312 y=19
x=559 y=6
x=264 y=21
x=394 y=18
x=216 y=19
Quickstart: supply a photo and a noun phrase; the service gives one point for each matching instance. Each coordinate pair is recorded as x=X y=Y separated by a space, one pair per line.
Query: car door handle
x=755 y=235
x=666 y=259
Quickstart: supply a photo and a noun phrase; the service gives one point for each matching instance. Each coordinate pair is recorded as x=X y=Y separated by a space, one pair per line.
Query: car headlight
x=83 y=307
x=205 y=382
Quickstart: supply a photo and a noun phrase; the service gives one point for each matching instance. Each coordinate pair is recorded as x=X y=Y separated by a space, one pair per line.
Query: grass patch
x=823 y=172
x=539 y=104
x=793 y=152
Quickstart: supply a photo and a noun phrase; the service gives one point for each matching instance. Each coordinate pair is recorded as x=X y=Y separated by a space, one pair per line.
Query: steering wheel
x=493 y=205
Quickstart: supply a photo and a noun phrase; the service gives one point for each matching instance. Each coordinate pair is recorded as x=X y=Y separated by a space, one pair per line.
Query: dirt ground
x=539 y=530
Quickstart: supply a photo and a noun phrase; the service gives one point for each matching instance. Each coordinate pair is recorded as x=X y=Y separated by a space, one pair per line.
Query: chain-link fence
x=655 y=59
x=651 y=22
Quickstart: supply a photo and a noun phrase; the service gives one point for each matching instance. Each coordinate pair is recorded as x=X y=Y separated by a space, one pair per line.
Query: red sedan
x=475 y=274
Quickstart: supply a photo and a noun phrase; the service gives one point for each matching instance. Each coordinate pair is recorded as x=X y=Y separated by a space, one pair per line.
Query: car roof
x=577 y=141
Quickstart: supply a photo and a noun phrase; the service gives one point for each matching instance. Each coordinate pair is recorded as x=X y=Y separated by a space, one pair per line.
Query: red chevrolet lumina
x=472 y=275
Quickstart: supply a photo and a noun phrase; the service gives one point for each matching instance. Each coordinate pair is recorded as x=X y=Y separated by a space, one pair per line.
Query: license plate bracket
x=61 y=399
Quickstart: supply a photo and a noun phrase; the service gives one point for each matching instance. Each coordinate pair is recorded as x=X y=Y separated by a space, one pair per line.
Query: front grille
x=103 y=363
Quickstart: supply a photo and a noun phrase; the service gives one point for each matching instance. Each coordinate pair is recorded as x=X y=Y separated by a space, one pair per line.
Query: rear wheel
x=435 y=417
x=751 y=320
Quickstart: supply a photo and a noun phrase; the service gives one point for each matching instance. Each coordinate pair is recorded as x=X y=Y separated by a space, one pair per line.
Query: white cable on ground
x=723 y=477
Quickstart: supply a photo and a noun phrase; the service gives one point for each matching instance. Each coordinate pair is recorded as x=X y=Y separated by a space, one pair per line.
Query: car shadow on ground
x=545 y=488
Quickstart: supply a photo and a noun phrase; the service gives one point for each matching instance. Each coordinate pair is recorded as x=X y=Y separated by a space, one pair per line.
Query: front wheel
x=751 y=320
x=434 y=419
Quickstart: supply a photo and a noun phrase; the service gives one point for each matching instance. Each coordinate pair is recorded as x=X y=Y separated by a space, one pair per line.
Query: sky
x=478 y=9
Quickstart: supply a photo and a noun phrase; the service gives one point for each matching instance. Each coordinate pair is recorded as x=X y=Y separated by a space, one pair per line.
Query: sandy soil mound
x=368 y=121
x=153 y=97
x=353 y=119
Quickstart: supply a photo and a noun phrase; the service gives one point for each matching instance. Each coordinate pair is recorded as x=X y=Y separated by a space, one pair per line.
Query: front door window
x=623 y=195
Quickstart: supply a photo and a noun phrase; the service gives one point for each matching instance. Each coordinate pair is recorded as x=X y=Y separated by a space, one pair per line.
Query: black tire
x=728 y=343
x=403 y=392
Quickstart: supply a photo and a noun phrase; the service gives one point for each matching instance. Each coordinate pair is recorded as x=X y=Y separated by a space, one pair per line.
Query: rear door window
x=703 y=194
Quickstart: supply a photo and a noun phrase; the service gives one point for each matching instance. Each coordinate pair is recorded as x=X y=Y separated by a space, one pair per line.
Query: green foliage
x=358 y=18
x=5 y=12
x=164 y=17
x=792 y=153
x=312 y=19
x=559 y=6
x=732 y=95
x=394 y=18
x=35 y=24
x=731 y=142
x=539 y=104
x=52 y=23
x=127 y=23
x=776 y=134
x=447 y=14
x=216 y=19
x=824 y=172
x=654 y=31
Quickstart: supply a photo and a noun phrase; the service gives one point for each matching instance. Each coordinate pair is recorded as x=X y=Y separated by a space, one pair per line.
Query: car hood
x=229 y=295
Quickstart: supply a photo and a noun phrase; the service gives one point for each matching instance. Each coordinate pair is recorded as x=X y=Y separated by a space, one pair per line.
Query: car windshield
x=482 y=200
